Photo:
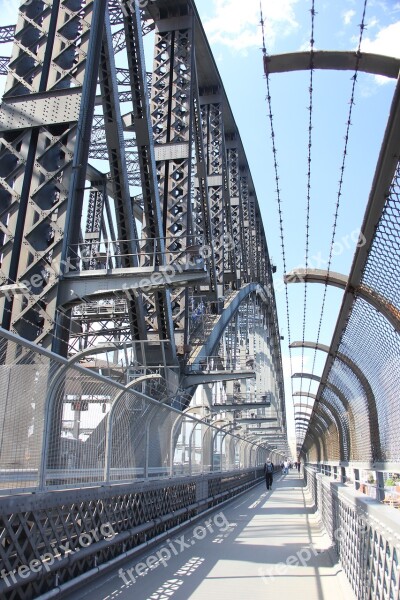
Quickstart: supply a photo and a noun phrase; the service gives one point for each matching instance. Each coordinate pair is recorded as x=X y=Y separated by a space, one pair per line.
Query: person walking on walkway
x=269 y=471
x=298 y=466
x=286 y=467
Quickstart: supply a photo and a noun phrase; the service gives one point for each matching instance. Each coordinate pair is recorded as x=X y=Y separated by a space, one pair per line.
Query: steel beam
x=381 y=304
x=215 y=376
x=49 y=164
x=244 y=406
x=7 y=33
x=159 y=316
x=91 y=285
x=126 y=225
x=376 y=64
x=251 y=420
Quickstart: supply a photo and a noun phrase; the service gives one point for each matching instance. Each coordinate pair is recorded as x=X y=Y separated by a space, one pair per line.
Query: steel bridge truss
x=112 y=176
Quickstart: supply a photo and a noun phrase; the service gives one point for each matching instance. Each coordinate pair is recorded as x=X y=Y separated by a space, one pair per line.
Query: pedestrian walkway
x=263 y=544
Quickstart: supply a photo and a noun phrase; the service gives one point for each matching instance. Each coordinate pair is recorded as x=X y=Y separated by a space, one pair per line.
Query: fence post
x=172 y=448
x=357 y=479
x=47 y=425
x=110 y=418
x=380 y=485
x=343 y=474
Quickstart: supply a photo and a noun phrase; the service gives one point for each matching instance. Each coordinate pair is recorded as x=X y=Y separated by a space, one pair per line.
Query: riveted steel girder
x=49 y=98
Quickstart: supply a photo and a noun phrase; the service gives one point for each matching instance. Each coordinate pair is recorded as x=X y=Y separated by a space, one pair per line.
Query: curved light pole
x=110 y=420
x=184 y=413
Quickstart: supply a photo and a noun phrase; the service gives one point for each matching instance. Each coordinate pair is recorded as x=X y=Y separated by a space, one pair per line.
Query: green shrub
x=390 y=482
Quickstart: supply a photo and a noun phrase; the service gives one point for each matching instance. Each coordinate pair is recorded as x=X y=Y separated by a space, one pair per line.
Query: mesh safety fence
x=343 y=416
x=366 y=368
x=63 y=425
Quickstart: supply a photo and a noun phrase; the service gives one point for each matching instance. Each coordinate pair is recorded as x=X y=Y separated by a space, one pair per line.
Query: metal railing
x=72 y=535
x=223 y=363
x=380 y=481
x=364 y=534
x=187 y=253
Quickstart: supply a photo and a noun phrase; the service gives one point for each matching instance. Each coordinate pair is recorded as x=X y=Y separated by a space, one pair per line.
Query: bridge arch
x=343 y=431
x=326 y=415
x=372 y=414
x=319 y=429
x=343 y=400
x=377 y=301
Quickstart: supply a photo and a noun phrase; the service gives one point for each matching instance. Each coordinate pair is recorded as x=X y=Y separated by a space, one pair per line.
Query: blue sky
x=235 y=37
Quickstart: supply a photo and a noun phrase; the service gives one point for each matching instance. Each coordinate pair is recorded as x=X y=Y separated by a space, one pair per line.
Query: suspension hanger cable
x=276 y=173
x=309 y=160
x=354 y=78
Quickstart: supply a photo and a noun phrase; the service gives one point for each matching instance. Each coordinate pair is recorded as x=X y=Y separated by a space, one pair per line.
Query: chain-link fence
x=363 y=380
x=64 y=425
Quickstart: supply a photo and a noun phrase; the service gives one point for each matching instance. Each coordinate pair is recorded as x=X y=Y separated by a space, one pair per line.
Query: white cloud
x=296 y=364
x=372 y=22
x=306 y=47
x=348 y=16
x=236 y=24
x=386 y=42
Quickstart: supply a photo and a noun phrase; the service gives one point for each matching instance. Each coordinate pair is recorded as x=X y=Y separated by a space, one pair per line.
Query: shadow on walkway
x=264 y=544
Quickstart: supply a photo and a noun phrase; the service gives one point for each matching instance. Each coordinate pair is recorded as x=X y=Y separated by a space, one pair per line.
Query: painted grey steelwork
x=7 y=33
x=123 y=250
x=170 y=157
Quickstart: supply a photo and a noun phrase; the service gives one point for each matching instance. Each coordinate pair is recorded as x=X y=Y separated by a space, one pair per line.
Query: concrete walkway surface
x=262 y=545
